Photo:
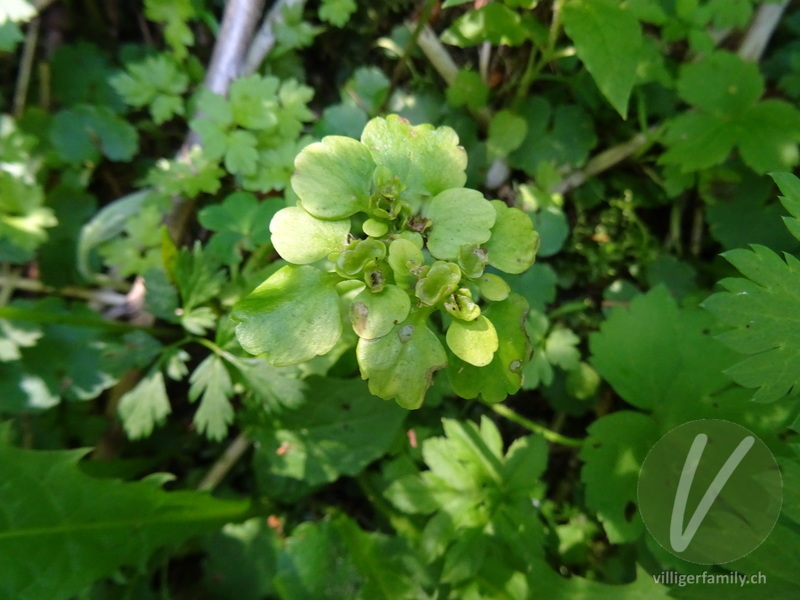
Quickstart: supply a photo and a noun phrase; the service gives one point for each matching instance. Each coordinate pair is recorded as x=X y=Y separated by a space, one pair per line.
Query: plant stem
x=13 y=313
x=106 y=297
x=224 y=463
x=25 y=67
x=549 y=435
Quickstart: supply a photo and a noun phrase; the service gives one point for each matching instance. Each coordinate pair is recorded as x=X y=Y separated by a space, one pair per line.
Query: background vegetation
x=145 y=147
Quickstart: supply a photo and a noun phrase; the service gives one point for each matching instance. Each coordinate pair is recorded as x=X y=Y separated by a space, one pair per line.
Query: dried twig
x=264 y=40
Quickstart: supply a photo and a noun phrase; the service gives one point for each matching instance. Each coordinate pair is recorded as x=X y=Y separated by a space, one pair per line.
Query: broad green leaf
x=723 y=84
x=16 y=335
x=332 y=435
x=608 y=40
x=513 y=244
x=368 y=88
x=763 y=311
x=427 y=160
x=211 y=383
x=400 y=365
x=493 y=23
x=468 y=89
x=613 y=455
x=145 y=406
x=61 y=530
x=301 y=238
x=292 y=317
x=503 y=376
x=562 y=135
x=684 y=362
x=84 y=133
x=770 y=132
x=459 y=217
x=696 y=141
x=373 y=315
x=474 y=342
x=333 y=177
x=315 y=564
x=506 y=132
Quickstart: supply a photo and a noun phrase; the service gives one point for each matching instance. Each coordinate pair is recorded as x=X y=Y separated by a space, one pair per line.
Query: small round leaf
x=301 y=238
x=474 y=342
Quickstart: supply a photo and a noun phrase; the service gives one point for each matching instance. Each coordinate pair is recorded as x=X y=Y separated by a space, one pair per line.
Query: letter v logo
x=680 y=539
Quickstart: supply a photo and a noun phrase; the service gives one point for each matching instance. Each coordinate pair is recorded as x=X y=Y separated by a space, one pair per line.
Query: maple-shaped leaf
x=728 y=115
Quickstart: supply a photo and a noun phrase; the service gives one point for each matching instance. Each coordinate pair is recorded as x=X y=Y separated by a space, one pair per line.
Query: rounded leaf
x=474 y=342
x=292 y=317
x=301 y=238
x=493 y=287
x=459 y=217
x=440 y=281
x=374 y=315
x=333 y=177
x=405 y=259
x=514 y=243
x=401 y=365
x=427 y=160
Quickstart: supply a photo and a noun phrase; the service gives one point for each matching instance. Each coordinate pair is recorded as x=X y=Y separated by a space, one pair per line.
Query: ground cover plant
x=338 y=299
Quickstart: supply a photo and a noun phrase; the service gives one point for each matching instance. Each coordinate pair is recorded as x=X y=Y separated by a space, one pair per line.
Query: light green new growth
x=383 y=237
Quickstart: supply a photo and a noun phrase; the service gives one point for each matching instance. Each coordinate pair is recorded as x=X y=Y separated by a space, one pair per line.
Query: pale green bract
x=383 y=236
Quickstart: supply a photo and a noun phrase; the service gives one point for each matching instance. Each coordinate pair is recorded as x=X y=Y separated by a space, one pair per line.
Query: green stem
x=549 y=435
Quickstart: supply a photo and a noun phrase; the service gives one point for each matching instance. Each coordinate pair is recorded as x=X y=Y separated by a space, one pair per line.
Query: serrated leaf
x=332 y=437
x=56 y=520
x=301 y=238
x=513 y=243
x=333 y=177
x=175 y=15
x=145 y=406
x=561 y=350
x=459 y=217
x=211 y=383
x=400 y=365
x=337 y=12
x=762 y=309
x=254 y=102
x=241 y=213
x=608 y=40
x=241 y=154
x=302 y=299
